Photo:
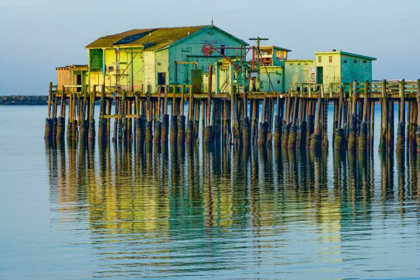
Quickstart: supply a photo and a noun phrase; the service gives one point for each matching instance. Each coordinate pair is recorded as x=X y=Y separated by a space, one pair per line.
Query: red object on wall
x=207 y=49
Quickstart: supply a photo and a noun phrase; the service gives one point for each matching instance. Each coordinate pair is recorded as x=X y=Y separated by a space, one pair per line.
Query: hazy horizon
x=38 y=36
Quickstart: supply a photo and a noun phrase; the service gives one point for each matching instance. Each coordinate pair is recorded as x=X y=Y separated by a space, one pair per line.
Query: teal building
x=142 y=59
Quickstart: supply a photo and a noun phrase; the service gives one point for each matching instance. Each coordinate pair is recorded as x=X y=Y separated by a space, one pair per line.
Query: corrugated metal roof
x=163 y=37
x=151 y=38
x=108 y=41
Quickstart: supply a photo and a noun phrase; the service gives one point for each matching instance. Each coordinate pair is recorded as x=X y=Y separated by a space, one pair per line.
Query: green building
x=272 y=68
x=142 y=59
x=328 y=68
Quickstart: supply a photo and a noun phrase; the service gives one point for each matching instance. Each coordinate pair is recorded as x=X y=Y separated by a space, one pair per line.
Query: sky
x=38 y=35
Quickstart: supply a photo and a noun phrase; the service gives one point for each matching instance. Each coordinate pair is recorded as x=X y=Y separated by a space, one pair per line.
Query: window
x=291 y=63
x=222 y=49
x=298 y=64
x=279 y=54
x=319 y=59
x=345 y=61
x=330 y=58
x=355 y=61
x=364 y=61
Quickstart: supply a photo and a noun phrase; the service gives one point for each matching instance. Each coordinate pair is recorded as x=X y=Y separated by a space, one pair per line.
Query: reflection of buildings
x=163 y=204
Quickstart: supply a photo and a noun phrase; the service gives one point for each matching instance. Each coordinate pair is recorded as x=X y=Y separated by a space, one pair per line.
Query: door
x=320 y=75
x=161 y=79
x=79 y=82
x=196 y=81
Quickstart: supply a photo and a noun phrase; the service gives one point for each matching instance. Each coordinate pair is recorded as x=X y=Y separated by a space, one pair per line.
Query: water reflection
x=159 y=211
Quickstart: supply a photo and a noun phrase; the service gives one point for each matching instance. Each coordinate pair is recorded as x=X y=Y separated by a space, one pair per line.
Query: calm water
x=96 y=212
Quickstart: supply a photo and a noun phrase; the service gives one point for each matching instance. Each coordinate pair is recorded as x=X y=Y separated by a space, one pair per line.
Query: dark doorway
x=161 y=78
x=79 y=82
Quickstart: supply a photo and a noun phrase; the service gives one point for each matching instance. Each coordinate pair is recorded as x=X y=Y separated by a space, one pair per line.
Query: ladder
x=325 y=116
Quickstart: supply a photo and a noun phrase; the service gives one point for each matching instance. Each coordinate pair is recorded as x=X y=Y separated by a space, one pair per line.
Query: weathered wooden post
x=208 y=133
x=310 y=122
x=390 y=125
x=291 y=143
x=286 y=121
x=362 y=140
x=400 y=145
x=316 y=136
x=123 y=126
x=262 y=133
x=384 y=113
x=102 y=122
x=165 y=118
x=173 y=129
x=190 y=122
x=61 y=125
x=301 y=124
x=74 y=132
x=83 y=123
x=91 y=132
x=277 y=123
x=352 y=142
x=254 y=119
x=339 y=138
x=418 y=117
x=48 y=122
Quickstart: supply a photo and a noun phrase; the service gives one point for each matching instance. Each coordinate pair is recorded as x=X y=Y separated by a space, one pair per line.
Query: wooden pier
x=297 y=119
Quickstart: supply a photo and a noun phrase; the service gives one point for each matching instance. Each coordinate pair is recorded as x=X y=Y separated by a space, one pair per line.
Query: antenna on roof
x=212 y=22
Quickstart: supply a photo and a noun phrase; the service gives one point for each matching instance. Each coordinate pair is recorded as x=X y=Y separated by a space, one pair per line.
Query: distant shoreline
x=24 y=100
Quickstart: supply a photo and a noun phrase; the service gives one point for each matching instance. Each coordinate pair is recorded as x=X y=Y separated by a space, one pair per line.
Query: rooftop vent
x=334 y=50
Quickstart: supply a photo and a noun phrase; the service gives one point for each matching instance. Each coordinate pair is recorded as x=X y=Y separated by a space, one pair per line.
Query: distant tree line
x=23 y=100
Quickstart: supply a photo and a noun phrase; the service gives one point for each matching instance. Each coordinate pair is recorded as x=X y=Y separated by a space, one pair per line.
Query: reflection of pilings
x=181 y=129
x=157 y=135
x=149 y=133
x=277 y=131
x=262 y=135
x=362 y=140
x=61 y=126
x=140 y=133
x=400 y=166
x=174 y=129
x=387 y=166
x=190 y=132
x=208 y=136
x=246 y=131
x=165 y=128
x=48 y=129
x=291 y=143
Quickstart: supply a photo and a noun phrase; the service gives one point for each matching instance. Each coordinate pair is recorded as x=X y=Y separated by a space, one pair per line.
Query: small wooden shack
x=72 y=75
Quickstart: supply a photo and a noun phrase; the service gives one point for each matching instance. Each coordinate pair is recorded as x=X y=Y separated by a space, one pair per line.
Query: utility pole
x=258 y=62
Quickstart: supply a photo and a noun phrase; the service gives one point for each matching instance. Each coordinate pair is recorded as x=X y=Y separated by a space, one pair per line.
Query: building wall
x=64 y=77
x=355 y=68
x=130 y=63
x=162 y=65
x=149 y=71
x=343 y=68
x=276 y=76
x=331 y=64
x=190 y=49
x=297 y=71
